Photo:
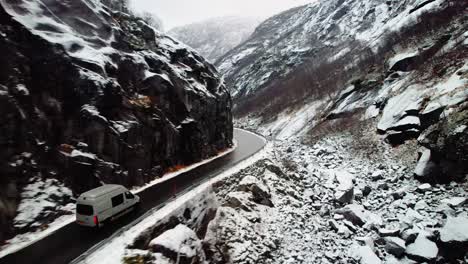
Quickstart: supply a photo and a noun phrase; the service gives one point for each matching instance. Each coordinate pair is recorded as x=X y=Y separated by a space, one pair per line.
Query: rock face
x=215 y=37
x=96 y=95
x=448 y=143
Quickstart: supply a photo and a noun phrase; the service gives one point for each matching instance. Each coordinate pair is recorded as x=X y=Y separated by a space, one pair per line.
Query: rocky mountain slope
x=330 y=202
x=89 y=95
x=332 y=40
x=215 y=37
x=330 y=67
x=371 y=98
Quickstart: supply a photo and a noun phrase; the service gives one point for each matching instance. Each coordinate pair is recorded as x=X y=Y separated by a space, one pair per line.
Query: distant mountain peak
x=216 y=36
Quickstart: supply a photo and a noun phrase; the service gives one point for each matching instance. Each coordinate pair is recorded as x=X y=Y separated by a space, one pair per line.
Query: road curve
x=71 y=241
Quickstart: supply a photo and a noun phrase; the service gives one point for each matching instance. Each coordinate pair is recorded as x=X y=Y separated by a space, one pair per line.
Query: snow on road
x=113 y=250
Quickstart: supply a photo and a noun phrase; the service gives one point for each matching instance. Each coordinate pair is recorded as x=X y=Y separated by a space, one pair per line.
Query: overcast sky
x=181 y=12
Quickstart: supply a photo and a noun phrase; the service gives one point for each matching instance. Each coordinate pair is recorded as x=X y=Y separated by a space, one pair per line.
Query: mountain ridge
x=215 y=36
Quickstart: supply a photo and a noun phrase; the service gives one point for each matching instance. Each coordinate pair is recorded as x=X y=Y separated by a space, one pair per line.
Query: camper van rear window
x=83 y=209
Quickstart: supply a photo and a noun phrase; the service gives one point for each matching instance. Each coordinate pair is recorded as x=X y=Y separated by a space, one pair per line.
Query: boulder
x=180 y=243
x=344 y=196
x=410 y=235
x=424 y=188
x=396 y=138
x=260 y=192
x=365 y=255
x=411 y=216
x=377 y=175
x=357 y=215
x=406 y=123
x=426 y=170
x=388 y=232
x=400 y=120
x=366 y=190
x=366 y=241
x=240 y=200
x=455 y=201
x=422 y=249
x=404 y=62
x=395 y=246
x=454 y=236
x=448 y=142
x=455 y=230
x=339 y=228
x=421 y=205
x=345 y=189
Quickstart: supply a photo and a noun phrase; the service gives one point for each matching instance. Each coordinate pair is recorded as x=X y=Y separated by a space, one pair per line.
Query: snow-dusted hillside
x=215 y=37
x=320 y=32
x=90 y=95
x=334 y=66
x=366 y=73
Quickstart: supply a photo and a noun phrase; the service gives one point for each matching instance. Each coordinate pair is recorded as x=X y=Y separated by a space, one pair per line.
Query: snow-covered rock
x=260 y=192
x=345 y=190
x=424 y=187
x=358 y=215
x=455 y=230
x=422 y=249
x=425 y=168
x=307 y=225
x=365 y=255
x=42 y=201
x=395 y=246
x=239 y=200
x=455 y=201
x=402 y=61
x=180 y=243
x=388 y=232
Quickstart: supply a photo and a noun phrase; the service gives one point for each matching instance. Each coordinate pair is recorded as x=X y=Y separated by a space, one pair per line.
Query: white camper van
x=104 y=204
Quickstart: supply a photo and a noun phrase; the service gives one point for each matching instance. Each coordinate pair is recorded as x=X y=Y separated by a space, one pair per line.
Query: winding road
x=69 y=242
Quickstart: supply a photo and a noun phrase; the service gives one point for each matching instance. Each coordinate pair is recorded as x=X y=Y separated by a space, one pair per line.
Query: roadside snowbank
x=113 y=249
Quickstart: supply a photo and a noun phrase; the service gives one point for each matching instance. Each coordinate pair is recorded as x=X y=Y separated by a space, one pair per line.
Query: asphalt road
x=71 y=241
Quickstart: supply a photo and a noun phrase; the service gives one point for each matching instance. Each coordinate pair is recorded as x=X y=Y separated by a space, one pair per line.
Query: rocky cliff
x=215 y=37
x=89 y=95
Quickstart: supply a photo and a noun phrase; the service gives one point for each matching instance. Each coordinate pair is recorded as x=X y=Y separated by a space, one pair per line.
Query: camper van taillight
x=96 y=220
